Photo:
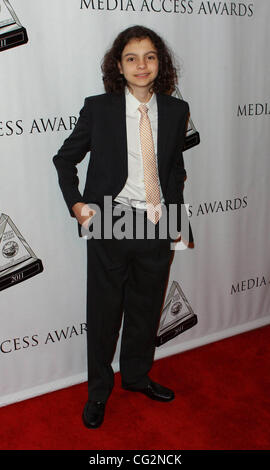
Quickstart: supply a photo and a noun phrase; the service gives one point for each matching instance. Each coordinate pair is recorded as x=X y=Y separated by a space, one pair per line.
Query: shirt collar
x=132 y=103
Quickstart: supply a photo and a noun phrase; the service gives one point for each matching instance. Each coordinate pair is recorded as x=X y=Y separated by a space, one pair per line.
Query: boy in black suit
x=135 y=132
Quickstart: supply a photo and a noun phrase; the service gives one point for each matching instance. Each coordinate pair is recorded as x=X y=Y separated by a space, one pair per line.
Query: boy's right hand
x=83 y=213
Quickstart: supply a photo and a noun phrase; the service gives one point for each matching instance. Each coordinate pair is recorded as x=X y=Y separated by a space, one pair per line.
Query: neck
x=143 y=95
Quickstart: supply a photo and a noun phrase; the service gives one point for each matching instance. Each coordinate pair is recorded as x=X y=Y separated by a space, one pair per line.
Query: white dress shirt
x=133 y=193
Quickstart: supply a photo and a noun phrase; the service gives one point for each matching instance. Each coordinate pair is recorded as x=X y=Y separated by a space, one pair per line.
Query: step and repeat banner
x=50 y=56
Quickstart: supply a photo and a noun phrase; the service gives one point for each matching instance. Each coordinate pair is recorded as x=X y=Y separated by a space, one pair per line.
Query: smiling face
x=139 y=64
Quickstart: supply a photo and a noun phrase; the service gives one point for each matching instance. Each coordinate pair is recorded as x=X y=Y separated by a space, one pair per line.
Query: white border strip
x=202 y=340
x=160 y=353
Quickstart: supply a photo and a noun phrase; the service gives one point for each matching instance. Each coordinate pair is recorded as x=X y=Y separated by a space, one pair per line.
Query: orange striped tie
x=151 y=181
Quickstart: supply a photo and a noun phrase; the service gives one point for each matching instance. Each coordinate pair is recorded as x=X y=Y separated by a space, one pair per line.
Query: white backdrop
x=222 y=50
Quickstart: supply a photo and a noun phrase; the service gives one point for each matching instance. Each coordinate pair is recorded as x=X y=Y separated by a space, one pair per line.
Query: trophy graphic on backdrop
x=177 y=315
x=12 y=33
x=18 y=262
x=192 y=135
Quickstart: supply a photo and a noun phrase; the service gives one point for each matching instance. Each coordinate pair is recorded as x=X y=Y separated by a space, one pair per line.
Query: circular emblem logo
x=10 y=249
x=176 y=307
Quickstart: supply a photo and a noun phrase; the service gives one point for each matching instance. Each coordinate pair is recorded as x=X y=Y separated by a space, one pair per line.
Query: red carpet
x=222 y=402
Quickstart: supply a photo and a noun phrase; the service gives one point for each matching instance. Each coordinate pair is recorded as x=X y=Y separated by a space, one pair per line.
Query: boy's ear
x=119 y=66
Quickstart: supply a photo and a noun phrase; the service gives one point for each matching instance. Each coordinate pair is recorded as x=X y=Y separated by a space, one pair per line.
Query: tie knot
x=143 y=108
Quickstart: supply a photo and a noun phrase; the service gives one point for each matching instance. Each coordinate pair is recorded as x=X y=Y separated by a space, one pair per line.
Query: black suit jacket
x=101 y=129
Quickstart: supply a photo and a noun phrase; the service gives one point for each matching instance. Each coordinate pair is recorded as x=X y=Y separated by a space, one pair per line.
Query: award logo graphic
x=192 y=135
x=12 y=33
x=18 y=262
x=177 y=315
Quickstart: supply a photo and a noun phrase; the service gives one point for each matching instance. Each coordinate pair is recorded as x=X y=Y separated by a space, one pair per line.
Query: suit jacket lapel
x=163 y=129
x=119 y=124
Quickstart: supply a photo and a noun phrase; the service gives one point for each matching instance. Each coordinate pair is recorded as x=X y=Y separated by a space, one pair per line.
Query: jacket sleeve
x=180 y=167
x=186 y=229
x=186 y=118
x=72 y=152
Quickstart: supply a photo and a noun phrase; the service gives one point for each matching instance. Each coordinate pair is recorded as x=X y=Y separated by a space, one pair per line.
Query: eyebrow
x=133 y=53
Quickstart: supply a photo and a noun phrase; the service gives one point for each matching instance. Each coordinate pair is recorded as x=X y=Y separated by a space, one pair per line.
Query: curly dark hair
x=115 y=82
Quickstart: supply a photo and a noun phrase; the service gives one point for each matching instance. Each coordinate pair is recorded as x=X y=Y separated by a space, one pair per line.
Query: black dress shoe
x=93 y=414
x=154 y=391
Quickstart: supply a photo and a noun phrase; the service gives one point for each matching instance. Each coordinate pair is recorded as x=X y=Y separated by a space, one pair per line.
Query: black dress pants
x=124 y=277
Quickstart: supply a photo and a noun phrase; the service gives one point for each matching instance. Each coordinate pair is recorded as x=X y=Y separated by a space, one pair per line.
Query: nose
x=141 y=63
